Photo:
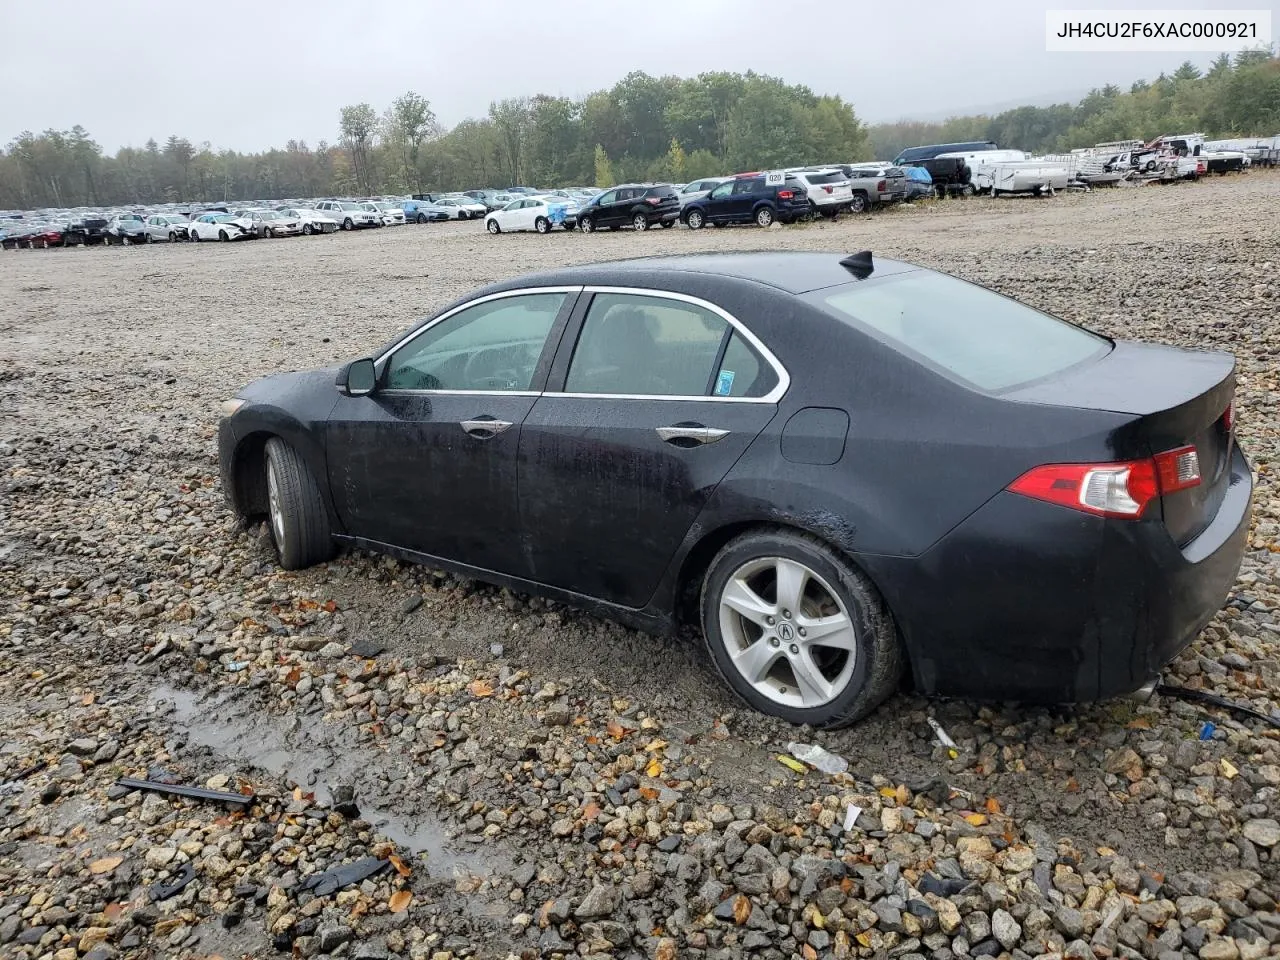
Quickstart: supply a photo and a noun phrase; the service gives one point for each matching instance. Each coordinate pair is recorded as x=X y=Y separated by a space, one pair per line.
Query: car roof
x=790 y=271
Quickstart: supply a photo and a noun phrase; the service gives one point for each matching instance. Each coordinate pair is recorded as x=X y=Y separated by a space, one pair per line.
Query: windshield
x=986 y=340
x=347 y=205
x=224 y=218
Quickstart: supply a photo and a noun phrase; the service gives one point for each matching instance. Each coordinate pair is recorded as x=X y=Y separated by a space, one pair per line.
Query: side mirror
x=357 y=378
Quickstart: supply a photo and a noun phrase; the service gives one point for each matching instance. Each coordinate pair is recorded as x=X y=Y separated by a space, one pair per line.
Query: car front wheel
x=299 y=523
x=586 y=224
x=797 y=631
x=695 y=220
x=493 y=226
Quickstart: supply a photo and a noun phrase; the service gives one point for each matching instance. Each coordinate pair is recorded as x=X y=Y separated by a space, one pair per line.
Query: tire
x=193 y=237
x=542 y=225
x=852 y=673
x=695 y=220
x=269 y=232
x=493 y=227
x=106 y=240
x=764 y=217
x=640 y=222
x=859 y=203
x=222 y=235
x=150 y=238
x=668 y=223
x=586 y=225
x=173 y=236
x=422 y=218
x=296 y=514
x=306 y=230
x=347 y=224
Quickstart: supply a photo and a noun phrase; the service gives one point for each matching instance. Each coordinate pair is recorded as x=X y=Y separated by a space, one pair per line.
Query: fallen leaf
x=399 y=901
x=591 y=811
x=615 y=729
x=105 y=865
x=654 y=769
x=87 y=699
x=401 y=867
x=976 y=819
x=648 y=793
x=592 y=740
x=1073 y=785
x=889 y=793
x=480 y=688
x=293 y=676
x=741 y=909
x=330 y=607
x=993 y=805
x=113 y=911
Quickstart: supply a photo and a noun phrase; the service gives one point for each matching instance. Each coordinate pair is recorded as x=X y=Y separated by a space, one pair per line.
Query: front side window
x=974 y=334
x=490 y=346
x=646 y=346
x=722 y=191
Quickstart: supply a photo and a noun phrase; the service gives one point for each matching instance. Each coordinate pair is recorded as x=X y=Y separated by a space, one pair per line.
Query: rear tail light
x=785 y=194
x=827 y=189
x=882 y=186
x=653 y=200
x=1112 y=489
x=1229 y=417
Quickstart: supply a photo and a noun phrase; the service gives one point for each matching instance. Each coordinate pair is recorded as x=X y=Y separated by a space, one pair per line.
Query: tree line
x=643 y=128
x=1233 y=98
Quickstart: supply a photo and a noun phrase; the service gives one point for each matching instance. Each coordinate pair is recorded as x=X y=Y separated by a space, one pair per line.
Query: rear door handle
x=690 y=434
x=482 y=428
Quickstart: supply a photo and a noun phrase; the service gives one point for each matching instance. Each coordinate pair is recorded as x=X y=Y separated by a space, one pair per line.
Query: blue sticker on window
x=724 y=383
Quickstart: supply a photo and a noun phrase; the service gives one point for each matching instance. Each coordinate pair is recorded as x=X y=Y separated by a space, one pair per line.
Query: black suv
x=639 y=205
x=749 y=198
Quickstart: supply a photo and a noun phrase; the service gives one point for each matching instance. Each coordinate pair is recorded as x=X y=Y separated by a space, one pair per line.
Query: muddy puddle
x=310 y=753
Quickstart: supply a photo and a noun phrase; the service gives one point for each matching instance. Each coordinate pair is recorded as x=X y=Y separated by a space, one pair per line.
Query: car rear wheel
x=668 y=223
x=493 y=227
x=640 y=222
x=542 y=225
x=695 y=220
x=173 y=236
x=859 y=203
x=586 y=225
x=347 y=224
x=299 y=523
x=764 y=217
x=797 y=631
x=422 y=218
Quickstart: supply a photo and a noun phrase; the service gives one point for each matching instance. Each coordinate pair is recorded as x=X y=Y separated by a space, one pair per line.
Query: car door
x=526 y=212
x=652 y=399
x=745 y=193
x=427 y=462
x=720 y=203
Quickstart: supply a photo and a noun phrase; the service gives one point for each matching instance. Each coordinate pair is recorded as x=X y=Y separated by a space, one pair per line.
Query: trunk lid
x=1179 y=398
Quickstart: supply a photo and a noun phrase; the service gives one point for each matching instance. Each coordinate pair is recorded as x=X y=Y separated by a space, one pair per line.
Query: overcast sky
x=249 y=74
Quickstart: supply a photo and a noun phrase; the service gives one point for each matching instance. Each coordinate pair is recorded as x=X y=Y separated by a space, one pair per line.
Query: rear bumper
x=1030 y=601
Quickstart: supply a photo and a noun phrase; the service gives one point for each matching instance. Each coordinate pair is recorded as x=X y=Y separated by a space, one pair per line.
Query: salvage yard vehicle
x=840 y=467
x=462 y=208
x=392 y=213
x=271 y=223
x=312 y=221
x=348 y=214
x=424 y=211
x=828 y=191
x=637 y=205
x=125 y=228
x=749 y=198
x=533 y=213
x=221 y=226
x=166 y=226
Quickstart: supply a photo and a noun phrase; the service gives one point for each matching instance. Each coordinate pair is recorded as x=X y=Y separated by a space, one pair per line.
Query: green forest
x=644 y=127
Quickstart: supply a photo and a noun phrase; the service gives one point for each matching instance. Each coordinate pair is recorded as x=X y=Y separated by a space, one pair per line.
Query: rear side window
x=749 y=185
x=743 y=372
x=988 y=341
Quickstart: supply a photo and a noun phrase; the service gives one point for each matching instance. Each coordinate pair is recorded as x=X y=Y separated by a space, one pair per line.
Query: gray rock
x=890 y=917
x=1005 y=929
x=331 y=936
x=1069 y=922
x=83 y=747
x=1264 y=832
x=601 y=901
x=107 y=751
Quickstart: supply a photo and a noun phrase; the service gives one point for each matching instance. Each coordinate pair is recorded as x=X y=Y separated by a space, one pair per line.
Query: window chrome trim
x=773 y=396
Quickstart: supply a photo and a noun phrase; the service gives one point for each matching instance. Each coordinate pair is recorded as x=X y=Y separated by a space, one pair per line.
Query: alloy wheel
x=640 y=222
x=787 y=632
x=273 y=503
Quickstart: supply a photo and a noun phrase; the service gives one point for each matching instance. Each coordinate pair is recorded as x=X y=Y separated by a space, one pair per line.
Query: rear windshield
x=986 y=340
x=820 y=178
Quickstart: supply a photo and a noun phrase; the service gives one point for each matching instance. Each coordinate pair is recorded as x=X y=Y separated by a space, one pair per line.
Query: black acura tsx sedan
x=840 y=467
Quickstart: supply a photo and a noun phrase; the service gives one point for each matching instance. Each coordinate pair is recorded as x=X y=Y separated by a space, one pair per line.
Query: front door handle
x=482 y=428
x=690 y=434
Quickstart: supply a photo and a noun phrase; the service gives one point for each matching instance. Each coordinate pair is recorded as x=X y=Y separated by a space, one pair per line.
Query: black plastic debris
x=182 y=790
x=330 y=881
x=940 y=886
x=163 y=891
x=344 y=801
x=1213 y=700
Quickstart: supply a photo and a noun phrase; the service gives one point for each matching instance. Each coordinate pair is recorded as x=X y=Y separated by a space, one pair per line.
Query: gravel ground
x=540 y=782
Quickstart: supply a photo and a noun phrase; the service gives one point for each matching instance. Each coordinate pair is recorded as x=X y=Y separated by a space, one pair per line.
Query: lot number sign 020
x=775 y=178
